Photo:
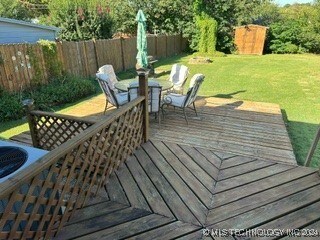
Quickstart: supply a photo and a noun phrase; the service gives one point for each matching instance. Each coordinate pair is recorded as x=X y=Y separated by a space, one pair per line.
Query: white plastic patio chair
x=112 y=78
x=154 y=96
x=114 y=98
x=184 y=101
x=178 y=76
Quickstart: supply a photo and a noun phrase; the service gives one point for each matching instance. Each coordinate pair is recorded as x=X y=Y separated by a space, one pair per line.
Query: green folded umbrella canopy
x=142 y=58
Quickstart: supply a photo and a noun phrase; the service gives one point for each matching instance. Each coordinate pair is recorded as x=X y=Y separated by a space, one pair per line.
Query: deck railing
x=50 y=130
x=313 y=149
x=37 y=202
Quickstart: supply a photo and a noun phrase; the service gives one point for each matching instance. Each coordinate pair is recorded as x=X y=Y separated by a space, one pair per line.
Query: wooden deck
x=240 y=127
x=168 y=190
x=232 y=167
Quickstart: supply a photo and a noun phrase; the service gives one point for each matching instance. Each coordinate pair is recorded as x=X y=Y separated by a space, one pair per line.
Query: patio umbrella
x=142 y=59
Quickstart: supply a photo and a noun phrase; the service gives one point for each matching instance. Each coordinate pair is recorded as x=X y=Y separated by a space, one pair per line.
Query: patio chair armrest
x=166 y=99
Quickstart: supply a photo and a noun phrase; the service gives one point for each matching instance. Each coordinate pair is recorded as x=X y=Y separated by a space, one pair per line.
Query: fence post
x=96 y=52
x=143 y=91
x=122 y=54
x=28 y=106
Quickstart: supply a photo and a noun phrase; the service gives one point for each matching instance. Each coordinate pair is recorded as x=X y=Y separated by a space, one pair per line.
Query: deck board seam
x=271 y=175
x=244 y=173
x=205 y=170
x=173 y=212
x=187 y=185
x=272 y=218
x=213 y=181
x=241 y=198
x=151 y=158
x=144 y=194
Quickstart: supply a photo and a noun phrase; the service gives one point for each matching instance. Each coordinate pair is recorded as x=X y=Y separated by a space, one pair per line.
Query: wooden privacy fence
x=41 y=198
x=21 y=64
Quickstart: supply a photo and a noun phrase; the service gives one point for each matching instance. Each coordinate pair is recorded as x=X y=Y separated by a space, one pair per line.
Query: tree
x=298 y=30
x=14 y=9
x=23 y=10
x=81 y=19
x=163 y=16
x=205 y=37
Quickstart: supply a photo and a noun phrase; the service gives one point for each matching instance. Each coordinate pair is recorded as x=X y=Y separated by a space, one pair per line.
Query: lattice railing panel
x=52 y=130
x=68 y=175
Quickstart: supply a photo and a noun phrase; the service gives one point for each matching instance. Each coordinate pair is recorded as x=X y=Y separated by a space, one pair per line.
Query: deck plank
x=129 y=229
x=235 y=161
x=202 y=161
x=271 y=211
x=243 y=169
x=153 y=197
x=95 y=210
x=115 y=191
x=185 y=193
x=294 y=219
x=133 y=193
x=260 y=185
x=193 y=183
x=101 y=222
x=174 y=202
x=261 y=198
x=251 y=177
x=169 y=231
x=192 y=166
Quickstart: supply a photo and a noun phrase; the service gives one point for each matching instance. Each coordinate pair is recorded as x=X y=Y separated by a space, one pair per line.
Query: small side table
x=151 y=66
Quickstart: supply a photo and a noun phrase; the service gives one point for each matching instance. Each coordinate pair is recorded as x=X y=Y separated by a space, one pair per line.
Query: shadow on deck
x=231 y=168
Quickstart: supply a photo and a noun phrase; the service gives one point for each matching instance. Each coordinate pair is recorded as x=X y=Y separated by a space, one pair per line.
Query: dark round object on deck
x=11 y=159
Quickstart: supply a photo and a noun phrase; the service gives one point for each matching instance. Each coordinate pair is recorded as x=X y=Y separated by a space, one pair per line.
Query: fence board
x=129 y=52
x=161 y=46
x=42 y=65
x=83 y=58
x=109 y=52
x=91 y=58
x=170 y=46
x=4 y=69
x=151 y=41
x=177 y=44
x=15 y=69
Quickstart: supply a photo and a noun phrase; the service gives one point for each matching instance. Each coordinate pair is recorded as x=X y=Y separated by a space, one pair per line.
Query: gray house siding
x=22 y=33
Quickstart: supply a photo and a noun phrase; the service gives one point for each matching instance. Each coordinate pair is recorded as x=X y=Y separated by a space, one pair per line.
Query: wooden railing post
x=313 y=148
x=143 y=91
x=29 y=106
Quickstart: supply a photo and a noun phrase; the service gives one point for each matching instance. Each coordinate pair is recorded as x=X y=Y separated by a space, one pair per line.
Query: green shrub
x=10 y=106
x=50 y=54
x=59 y=91
x=208 y=34
x=62 y=90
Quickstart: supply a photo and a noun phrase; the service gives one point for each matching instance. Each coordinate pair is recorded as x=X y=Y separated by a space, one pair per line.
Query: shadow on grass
x=301 y=136
x=228 y=95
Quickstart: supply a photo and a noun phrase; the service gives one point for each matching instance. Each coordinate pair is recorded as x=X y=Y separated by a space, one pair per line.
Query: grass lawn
x=292 y=81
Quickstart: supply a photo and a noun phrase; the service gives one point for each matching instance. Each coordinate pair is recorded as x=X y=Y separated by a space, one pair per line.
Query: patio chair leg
x=162 y=110
x=194 y=108
x=185 y=116
x=158 y=115
x=106 y=107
